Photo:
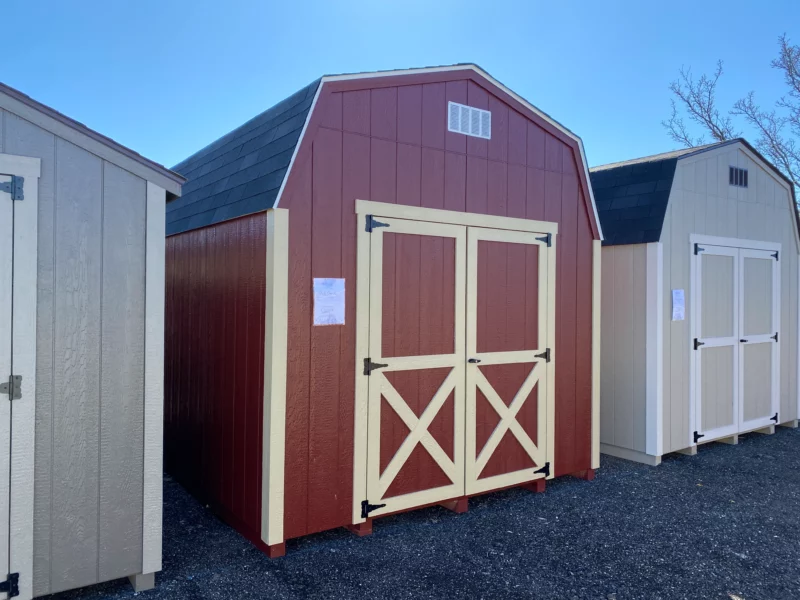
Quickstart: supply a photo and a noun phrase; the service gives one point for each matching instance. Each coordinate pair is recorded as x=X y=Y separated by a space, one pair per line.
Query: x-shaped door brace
x=418 y=431
x=508 y=418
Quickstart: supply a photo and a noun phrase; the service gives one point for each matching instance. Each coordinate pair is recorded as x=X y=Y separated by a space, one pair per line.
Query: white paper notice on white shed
x=328 y=301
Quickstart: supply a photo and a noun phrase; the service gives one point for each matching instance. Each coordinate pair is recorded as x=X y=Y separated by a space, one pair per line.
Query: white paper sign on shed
x=328 y=301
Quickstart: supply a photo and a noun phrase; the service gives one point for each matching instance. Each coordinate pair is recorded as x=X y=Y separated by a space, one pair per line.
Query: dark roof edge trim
x=91 y=133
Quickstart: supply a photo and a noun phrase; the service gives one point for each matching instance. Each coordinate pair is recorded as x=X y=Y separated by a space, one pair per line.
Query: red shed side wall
x=214 y=366
x=386 y=140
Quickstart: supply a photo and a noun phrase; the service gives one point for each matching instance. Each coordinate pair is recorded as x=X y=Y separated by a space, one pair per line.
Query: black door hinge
x=370 y=366
x=15 y=187
x=775 y=337
x=698 y=343
x=775 y=418
x=12 y=387
x=545 y=469
x=545 y=355
x=697 y=436
x=775 y=255
x=372 y=223
x=367 y=508
x=698 y=249
x=11 y=585
x=547 y=239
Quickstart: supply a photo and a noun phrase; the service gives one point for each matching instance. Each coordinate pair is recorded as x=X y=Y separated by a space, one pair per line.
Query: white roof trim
x=465 y=67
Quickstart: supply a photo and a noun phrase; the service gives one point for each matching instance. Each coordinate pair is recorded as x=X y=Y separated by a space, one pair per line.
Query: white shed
x=699 y=300
x=81 y=353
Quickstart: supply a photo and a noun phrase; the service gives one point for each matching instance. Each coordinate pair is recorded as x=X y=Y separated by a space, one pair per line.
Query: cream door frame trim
x=436 y=215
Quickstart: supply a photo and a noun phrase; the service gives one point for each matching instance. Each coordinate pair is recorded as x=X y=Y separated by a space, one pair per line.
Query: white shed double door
x=735 y=340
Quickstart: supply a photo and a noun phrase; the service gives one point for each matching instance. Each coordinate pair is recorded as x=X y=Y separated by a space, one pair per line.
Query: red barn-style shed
x=382 y=293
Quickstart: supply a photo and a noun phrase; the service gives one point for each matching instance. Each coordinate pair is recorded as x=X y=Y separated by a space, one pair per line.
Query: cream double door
x=458 y=362
x=735 y=343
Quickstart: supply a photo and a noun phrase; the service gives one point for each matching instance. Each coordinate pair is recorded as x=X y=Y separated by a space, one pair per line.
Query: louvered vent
x=469 y=120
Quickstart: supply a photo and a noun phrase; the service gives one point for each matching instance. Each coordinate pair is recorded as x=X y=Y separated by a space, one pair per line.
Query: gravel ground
x=722 y=524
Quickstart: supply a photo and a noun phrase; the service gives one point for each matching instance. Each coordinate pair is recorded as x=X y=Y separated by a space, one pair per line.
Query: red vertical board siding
x=393 y=146
x=214 y=357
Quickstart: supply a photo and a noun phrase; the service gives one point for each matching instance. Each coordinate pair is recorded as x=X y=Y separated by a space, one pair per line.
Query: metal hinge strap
x=775 y=418
x=12 y=387
x=545 y=355
x=370 y=366
x=698 y=343
x=698 y=249
x=11 y=585
x=775 y=255
x=545 y=469
x=367 y=508
x=547 y=239
x=697 y=436
x=15 y=187
x=775 y=337
x=372 y=223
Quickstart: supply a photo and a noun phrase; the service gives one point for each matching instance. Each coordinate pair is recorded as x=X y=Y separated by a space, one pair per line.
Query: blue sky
x=167 y=77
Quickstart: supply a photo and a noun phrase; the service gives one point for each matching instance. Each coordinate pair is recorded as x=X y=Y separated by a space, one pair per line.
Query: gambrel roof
x=632 y=195
x=244 y=172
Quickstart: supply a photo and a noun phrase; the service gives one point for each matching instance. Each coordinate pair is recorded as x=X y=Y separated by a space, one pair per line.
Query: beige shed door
x=758 y=324
x=735 y=344
x=6 y=246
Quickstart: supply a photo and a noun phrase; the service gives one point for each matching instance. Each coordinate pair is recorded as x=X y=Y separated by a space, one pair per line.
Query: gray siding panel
x=623 y=347
x=88 y=476
x=76 y=405
x=122 y=373
x=23 y=138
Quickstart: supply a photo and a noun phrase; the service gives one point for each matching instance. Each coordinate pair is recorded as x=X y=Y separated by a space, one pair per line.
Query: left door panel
x=6 y=280
x=415 y=447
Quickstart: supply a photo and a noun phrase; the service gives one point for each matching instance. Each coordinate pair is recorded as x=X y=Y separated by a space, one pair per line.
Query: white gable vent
x=469 y=120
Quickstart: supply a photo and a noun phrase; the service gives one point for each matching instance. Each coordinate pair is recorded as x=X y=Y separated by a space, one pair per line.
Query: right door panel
x=758 y=322
x=508 y=412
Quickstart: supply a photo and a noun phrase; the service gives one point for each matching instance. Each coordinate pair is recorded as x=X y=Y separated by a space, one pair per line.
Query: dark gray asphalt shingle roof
x=632 y=200
x=241 y=172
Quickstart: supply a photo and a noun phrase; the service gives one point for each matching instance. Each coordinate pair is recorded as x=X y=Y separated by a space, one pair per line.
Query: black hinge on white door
x=373 y=223
x=545 y=355
x=370 y=366
x=547 y=239
x=14 y=187
x=12 y=387
x=775 y=255
x=698 y=249
x=367 y=508
x=11 y=585
x=697 y=436
x=545 y=470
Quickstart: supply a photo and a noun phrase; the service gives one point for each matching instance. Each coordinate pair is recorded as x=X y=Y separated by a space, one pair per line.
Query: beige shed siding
x=89 y=373
x=623 y=393
x=702 y=202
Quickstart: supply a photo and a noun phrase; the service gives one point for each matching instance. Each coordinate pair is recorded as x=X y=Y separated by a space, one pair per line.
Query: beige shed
x=699 y=302
x=81 y=353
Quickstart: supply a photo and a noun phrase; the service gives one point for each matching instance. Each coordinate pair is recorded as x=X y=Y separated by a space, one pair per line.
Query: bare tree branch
x=677 y=130
x=788 y=61
x=783 y=152
x=698 y=98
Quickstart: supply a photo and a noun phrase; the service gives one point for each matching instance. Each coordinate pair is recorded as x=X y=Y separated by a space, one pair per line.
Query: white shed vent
x=469 y=120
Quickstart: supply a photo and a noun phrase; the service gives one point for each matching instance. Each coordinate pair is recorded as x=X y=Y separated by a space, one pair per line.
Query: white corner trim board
x=275 y=346
x=654 y=379
x=597 y=270
x=153 y=379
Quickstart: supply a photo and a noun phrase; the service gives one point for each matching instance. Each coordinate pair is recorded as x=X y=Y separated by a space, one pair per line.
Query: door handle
x=474 y=360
